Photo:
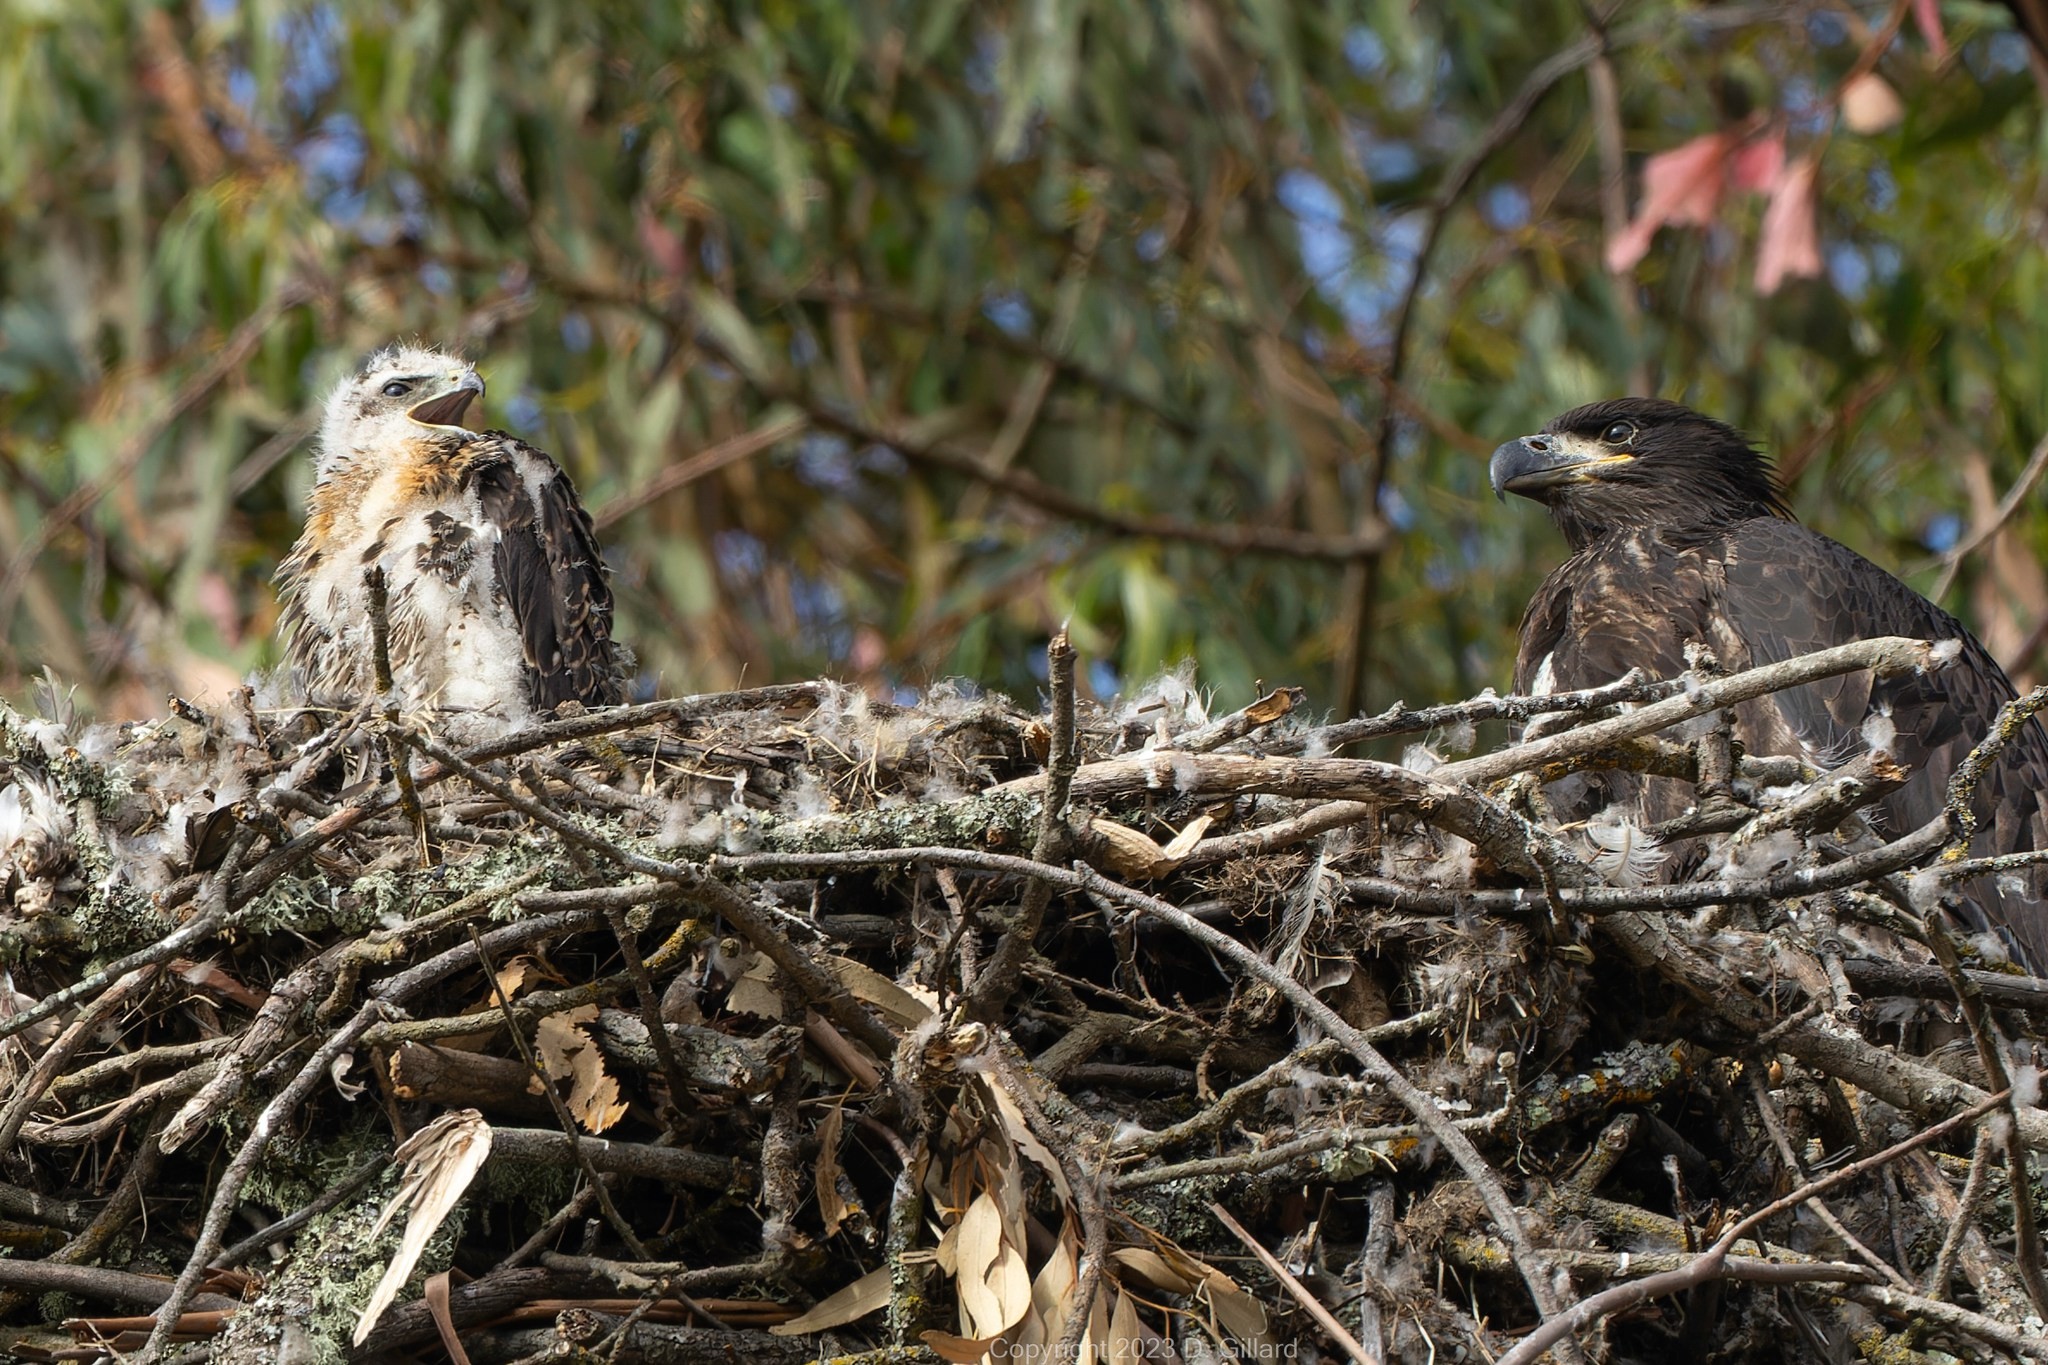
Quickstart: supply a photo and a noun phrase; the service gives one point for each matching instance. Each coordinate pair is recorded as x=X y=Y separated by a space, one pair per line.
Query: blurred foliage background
x=883 y=338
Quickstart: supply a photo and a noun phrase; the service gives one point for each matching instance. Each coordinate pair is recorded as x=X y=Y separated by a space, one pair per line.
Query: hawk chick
x=498 y=602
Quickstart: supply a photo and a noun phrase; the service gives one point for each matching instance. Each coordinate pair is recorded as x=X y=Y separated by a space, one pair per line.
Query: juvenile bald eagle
x=1680 y=535
x=498 y=601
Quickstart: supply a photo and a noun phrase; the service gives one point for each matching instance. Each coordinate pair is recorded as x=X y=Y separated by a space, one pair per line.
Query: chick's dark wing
x=550 y=573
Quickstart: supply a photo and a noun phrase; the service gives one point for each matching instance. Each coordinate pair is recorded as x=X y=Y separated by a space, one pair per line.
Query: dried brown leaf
x=211 y=976
x=520 y=974
x=958 y=1350
x=855 y=1301
x=514 y=978
x=1274 y=705
x=1128 y=1342
x=898 y=1006
x=1126 y=852
x=568 y=1053
x=1019 y=1132
x=1052 y=1292
x=755 y=992
x=1098 y=1329
x=1237 y=1312
x=1153 y=1269
x=947 y=1253
x=1184 y=842
x=831 y=1206
x=993 y=1288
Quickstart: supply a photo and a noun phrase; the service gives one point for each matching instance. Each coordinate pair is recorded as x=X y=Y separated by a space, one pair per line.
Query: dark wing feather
x=1790 y=591
x=1766 y=590
x=551 y=573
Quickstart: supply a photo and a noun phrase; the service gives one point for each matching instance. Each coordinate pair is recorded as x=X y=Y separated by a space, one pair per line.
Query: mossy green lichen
x=299 y=1165
x=320 y=1290
x=538 y=1185
x=74 y=775
x=1179 y=1209
x=297 y=903
x=995 y=821
x=313 y=904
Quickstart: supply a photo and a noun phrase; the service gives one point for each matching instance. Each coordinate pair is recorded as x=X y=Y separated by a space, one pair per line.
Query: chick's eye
x=1620 y=434
x=397 y=388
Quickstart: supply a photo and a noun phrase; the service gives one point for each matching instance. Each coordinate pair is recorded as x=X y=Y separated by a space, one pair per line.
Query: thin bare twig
x=1711 y=1263
x=1361 y=578
x=1236 y=537
x=1975 y=1186
x=227 y=1193
x=401 y=760
x=1982 y=535
x=1324 y=1318
x=1774 y=1124
x=650 y=1009
x=1004 y=970
x=817 y=985
x=1604 y=94
x=1962 y=784
x=554 y=1098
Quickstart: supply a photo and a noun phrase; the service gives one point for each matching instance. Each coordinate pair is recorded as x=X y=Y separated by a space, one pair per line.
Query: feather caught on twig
x=1623 y=853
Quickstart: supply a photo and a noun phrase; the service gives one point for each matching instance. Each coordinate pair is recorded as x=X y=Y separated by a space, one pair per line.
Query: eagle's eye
x=1620 y=434
x=397 y=388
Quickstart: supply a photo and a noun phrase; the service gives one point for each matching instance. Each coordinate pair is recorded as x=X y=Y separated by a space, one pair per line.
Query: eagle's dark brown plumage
x=1680 y=536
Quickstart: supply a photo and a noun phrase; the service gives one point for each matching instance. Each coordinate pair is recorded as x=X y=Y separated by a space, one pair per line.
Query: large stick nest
x=958 y=1031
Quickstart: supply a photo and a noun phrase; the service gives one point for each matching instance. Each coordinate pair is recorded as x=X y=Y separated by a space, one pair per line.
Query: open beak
x=446 y=410
x=1533 y=465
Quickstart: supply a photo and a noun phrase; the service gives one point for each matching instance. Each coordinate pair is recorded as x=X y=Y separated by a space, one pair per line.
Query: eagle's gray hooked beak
x=1532 y=465
x=446 y=409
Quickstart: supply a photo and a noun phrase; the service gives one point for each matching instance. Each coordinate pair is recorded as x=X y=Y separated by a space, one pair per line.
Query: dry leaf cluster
x=781 y=1023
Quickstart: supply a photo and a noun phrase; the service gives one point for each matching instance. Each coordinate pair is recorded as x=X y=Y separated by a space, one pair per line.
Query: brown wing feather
x=552 y=576
x=1767 y=590
x=1791 y=591
x=1601 y=614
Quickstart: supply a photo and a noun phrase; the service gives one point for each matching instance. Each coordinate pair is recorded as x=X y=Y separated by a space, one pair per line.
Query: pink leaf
x=1681 y=186
x=1927 y=18
x=1757 y=164
x=1684 y=184
x=661 y=243
x=1790 y=243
